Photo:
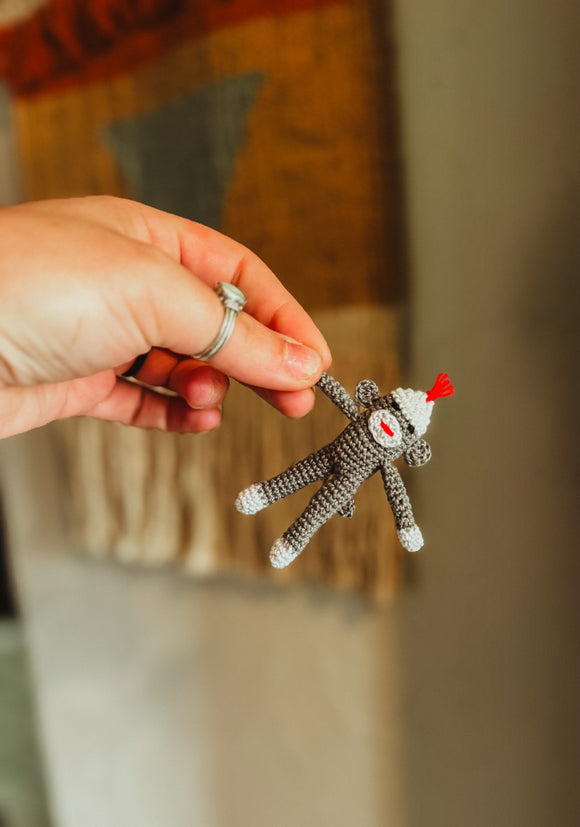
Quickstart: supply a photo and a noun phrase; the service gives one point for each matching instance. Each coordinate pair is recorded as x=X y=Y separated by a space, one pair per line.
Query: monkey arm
x=407 y=530
x=337 y=394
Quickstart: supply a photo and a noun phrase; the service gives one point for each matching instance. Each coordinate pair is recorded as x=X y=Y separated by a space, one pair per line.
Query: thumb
x=263 y=358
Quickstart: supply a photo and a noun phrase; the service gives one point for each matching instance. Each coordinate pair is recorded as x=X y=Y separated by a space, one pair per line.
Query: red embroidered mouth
x=386 y=429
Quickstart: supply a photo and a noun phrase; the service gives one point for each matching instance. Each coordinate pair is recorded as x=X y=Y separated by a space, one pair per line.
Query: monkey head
x=398 y=420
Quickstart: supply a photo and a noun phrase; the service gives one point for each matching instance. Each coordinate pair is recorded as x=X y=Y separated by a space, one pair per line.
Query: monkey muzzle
x=385 y=428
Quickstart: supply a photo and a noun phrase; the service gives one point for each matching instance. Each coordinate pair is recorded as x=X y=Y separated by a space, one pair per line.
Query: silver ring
x=233 y=300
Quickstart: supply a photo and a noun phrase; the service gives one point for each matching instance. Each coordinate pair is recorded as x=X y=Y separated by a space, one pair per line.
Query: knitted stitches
x=388 y=427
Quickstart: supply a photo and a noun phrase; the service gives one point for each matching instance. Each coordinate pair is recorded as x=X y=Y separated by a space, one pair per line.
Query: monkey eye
x=411 y=429
x=395 y=406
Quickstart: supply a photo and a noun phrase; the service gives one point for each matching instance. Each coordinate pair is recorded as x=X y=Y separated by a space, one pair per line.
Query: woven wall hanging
x=272 y=123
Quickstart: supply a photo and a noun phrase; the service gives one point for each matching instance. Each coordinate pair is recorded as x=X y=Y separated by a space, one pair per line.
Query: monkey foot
x=411 y=538
x=282 y=553
x=252 y=499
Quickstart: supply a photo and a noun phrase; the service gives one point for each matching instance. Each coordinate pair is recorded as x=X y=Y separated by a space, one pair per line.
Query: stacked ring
x=233 y=301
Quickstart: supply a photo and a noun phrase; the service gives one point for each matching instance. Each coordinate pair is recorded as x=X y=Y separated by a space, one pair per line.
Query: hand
x=87 y=285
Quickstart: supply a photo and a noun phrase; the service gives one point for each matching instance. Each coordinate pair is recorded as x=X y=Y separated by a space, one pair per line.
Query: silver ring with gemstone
x=233 y=301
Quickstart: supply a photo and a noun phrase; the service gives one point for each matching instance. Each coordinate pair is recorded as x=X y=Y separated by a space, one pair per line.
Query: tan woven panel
x=291 y=110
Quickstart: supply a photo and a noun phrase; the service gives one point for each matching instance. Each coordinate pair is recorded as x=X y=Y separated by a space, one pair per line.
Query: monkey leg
x=315 y=467
x=334 y=496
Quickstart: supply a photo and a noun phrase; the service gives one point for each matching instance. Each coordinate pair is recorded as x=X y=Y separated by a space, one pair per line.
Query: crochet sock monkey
x=388 y=427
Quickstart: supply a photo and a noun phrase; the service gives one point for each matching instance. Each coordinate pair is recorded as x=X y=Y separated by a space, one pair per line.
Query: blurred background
x=411 y=171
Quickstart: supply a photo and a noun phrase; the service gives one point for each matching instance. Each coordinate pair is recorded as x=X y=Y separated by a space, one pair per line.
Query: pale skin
x=87 y=285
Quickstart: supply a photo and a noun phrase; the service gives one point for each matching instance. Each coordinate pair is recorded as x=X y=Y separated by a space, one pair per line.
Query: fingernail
x=301 y=361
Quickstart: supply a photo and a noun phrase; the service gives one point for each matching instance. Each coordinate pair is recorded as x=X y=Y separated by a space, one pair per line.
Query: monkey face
x=385 y=428
x=409 y=432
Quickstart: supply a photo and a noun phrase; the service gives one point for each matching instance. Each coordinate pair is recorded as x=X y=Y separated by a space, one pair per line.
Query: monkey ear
x=366 y=392
x=418 y=454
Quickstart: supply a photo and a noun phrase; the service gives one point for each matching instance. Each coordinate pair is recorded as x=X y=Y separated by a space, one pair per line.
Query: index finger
x=214 y=257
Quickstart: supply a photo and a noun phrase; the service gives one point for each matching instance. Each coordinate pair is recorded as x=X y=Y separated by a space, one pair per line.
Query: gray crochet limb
x=315 y=467
x=397 y=496
x=337 y=394
x=347 y=510
x=336 y=494
x=407 y=530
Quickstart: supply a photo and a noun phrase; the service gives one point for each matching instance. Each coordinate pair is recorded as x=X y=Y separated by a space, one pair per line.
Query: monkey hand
x=252 y=499
x=411 y=538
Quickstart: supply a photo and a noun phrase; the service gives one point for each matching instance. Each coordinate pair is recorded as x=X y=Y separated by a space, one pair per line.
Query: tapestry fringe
x=148 y=498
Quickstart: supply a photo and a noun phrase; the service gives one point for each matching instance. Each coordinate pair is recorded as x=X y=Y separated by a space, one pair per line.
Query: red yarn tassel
x=442 y=387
